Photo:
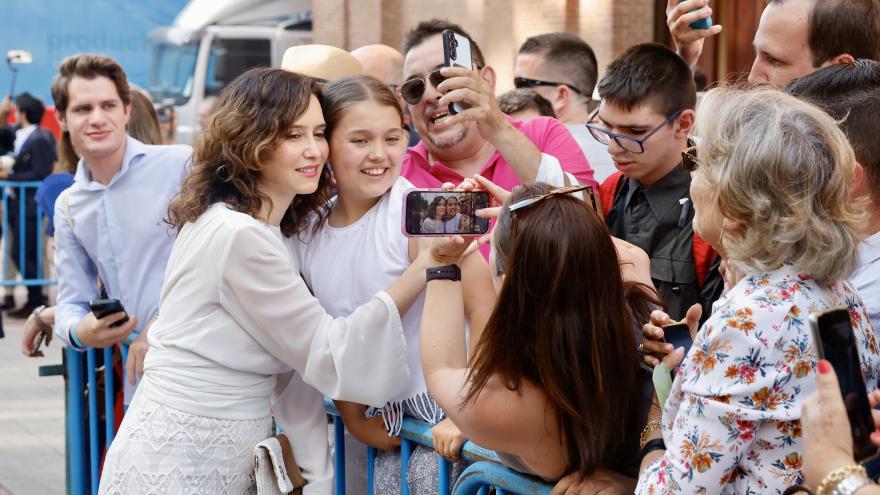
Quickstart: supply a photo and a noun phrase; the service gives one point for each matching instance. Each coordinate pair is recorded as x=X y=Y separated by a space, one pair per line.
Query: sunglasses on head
x=525 y=203
x=524 y=82
x=413 y=90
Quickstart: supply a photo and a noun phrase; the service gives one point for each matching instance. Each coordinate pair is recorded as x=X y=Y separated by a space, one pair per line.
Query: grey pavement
x=31 y=419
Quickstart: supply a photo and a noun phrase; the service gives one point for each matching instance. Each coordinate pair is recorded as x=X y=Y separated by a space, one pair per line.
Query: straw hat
x=320 y=61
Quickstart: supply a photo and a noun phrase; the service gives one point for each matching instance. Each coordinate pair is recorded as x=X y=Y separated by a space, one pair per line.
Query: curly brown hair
x=254 y=114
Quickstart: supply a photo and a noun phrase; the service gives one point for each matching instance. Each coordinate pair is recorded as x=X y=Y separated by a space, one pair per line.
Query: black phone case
x=104 y=307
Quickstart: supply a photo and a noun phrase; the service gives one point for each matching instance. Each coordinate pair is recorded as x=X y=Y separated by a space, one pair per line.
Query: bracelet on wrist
x=843 y=481
x=77 y=344
x=42 y=325
x=651 y=446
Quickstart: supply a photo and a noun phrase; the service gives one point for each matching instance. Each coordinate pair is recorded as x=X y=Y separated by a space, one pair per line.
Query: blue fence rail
x=483 y=473
x=12 y=194
x=90 y=420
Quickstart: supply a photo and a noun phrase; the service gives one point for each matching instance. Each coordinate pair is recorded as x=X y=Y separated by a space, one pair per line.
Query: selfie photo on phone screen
x=835 y=342
x=443 y=213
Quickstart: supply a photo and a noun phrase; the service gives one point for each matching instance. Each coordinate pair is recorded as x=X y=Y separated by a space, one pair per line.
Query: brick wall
x=499 y=26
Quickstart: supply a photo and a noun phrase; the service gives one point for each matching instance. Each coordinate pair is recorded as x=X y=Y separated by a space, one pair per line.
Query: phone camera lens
x=452 y=53
x=453 y=43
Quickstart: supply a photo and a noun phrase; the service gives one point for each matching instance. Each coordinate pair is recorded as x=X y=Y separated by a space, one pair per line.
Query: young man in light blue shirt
x=109 y=224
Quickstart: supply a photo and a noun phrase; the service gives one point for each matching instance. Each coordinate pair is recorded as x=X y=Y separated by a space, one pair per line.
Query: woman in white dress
x=435 y=222
x=358 y=249
x=235 y=313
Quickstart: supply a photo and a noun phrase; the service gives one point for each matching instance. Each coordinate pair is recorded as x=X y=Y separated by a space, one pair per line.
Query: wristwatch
x=42 y=325
x=448 y=272
x=851 y=484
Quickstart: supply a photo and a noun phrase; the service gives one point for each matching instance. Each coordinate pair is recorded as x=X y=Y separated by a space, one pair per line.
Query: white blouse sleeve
x=360 y=357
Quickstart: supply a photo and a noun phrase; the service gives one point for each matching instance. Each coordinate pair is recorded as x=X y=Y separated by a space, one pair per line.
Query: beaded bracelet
x=832 y=479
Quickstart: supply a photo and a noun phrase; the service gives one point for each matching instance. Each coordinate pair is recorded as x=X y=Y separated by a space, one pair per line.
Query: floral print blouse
x=732 y=420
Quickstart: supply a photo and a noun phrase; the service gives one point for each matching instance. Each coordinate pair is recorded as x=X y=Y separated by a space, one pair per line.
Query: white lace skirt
x=160 y=450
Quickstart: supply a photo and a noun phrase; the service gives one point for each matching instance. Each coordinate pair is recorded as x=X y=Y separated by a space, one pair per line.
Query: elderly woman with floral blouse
x=771 y=179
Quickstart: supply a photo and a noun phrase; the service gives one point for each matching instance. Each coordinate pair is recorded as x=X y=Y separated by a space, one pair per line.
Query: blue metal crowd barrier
x=483 y=473
x=90 y=431
x=88 y=437
x=20 y=190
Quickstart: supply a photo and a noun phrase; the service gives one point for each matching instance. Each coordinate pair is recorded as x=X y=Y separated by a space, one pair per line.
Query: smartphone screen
x=833 y=334
x=104 y=307
x=679 y=335
x=434 y=212
x=456 y=53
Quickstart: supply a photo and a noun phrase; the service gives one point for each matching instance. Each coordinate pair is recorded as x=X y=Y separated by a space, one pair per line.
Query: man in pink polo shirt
x=480 y=139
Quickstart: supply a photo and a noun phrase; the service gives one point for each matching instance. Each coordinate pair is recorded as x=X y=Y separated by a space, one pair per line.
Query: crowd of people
x=265 y=268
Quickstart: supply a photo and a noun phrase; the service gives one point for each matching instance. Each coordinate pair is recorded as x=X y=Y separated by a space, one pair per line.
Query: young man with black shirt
x=647 y=110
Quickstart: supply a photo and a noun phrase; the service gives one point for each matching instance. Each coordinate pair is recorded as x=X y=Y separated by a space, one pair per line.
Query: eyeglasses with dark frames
x=524 y=82
x=525 y=203
x=628 y=143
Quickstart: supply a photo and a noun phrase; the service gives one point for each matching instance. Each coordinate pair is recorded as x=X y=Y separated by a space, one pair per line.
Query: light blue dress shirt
x=867 y=278
x=118 y=234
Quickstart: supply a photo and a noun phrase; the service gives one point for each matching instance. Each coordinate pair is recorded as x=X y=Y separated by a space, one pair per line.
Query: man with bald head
x=794 y=37
x=382 y=62
x=386 y=64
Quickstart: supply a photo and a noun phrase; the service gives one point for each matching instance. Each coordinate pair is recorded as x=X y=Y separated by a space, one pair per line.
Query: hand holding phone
x=679 y=335
x=704 y=23
x=106 y=307
x=437 y=212
x=835 y=342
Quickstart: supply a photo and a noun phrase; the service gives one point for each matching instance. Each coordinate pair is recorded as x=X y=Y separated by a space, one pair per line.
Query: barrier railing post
x=371 y=469
x=6 y=229
x=39 y=234
x=339 y=454
x=76 y=448
x=93 y=418
x=406 y=449
x=442 y=476
x=109 y=397
x=22 y=231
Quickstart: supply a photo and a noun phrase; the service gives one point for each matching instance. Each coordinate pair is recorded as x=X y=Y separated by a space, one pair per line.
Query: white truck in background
x=211 y=42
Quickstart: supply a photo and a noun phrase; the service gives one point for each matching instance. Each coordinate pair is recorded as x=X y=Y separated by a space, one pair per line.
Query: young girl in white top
x=359 y=248
x=234 y=312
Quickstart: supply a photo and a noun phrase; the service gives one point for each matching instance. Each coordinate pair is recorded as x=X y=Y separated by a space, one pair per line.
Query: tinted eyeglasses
x=524 y=82
x=525 y=203
x=413 y=90
x=689 y=159
x=628 y=143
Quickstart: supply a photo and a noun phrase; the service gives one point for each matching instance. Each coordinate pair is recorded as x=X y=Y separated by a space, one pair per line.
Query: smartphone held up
x=835 y=342
x=436 y=212
x=456 y=53
x=704 y=23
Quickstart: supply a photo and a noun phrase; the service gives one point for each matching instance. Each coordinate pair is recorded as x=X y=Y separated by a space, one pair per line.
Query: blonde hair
x=782 y=169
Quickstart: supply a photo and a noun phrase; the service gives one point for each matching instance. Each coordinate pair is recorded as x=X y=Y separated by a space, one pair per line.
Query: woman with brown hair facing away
x=235 y=314
x=554 y=384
